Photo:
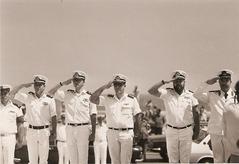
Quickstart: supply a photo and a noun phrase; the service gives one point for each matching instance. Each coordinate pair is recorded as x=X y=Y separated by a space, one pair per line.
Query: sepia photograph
x=119 y=81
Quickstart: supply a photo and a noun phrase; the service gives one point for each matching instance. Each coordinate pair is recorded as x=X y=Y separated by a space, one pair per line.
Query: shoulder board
x=169 y=88
x=49 y=96
x=131 y=96
x=31 y=93
x=71 y=90
x=89 y=93
x=18 y=106
x=216 y=92
x=110 y=95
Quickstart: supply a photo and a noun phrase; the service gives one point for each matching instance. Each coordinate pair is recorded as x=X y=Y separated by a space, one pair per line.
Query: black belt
x=121 y=129
x=76 y=124
x=179 y=127
x=38 y=127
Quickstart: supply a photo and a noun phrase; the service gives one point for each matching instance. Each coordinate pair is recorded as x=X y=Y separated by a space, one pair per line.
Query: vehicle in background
x=201 y=148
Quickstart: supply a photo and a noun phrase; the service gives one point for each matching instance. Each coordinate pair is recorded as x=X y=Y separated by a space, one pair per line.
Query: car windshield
x=201 y=136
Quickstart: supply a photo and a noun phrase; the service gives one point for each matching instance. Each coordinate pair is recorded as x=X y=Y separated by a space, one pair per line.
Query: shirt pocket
x=85 y=102
x=126 y=110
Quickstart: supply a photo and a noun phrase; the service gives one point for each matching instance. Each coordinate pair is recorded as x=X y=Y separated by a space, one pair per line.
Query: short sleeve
x=22 y=97
x=52 y=108
x=194 y=101
x=136 y=107
x=93 y=109
x=19 y=112
x=60 y=95
x=102 y=101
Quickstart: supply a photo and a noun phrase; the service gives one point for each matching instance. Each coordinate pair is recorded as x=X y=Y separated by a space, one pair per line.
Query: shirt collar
x=230 y=93
x=43 y=96
x=83 y=91
x=122 y=98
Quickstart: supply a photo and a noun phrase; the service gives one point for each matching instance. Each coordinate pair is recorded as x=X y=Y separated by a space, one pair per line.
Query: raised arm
x=95 y=97
x=15 y=90
x=52 y=91
x=201 y=93
x=154 y=89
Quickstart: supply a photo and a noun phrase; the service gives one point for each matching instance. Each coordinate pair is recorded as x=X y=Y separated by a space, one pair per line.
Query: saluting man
x=182 y=116
x=217 y=100
x=10 y=117
x=231 y=132
x=40 y=113
x=120 y=111
x=80 y=117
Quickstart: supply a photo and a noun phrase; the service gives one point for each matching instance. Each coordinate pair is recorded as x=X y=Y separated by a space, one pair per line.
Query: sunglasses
x=118 y=84
x=4 y=91
x=78 y=80
x=38 y=84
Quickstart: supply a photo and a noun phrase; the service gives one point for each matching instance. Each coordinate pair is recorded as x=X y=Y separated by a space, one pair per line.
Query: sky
x=143 y=39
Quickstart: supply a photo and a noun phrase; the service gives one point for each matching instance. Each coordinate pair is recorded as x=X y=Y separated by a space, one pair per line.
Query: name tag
x=45 y=103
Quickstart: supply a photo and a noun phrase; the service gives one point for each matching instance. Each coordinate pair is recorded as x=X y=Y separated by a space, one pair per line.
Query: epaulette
x=216 y=92
x=89 y=93
x=190 y=91
x=110 y=95
x=131 y=96
x=17 y=105
x=31 y=93
x=49 y=96
x=71 y=91
x=170 y=88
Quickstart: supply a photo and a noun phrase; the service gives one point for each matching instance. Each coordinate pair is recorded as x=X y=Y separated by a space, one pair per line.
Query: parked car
x=201 y=148
x=21 y=155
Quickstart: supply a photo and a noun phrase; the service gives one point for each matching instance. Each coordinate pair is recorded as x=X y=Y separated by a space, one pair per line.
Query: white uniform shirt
x=78 y=106
x=231 y=121
x=61 y=132
x=100 y=133
x=9 y=114
x=119 y=113
x=38 y=110
x=178 y=107
x=216 y=102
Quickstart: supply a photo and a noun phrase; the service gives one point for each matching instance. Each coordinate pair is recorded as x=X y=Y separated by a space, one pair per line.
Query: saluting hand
x=169 y=81
x=212 y=81
x=67 y=82
x=108 y=85
x=27 y=85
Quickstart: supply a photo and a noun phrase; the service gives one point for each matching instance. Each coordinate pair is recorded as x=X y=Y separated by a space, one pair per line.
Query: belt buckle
x=75 y=125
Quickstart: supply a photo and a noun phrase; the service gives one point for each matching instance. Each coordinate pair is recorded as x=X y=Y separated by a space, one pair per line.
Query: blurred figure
x=100 y=143
x=10 y=116
x=231 y=132
x=144 y=134
x=21 y=149
x=159 y=122
x=150 y=115
x=61 y=141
